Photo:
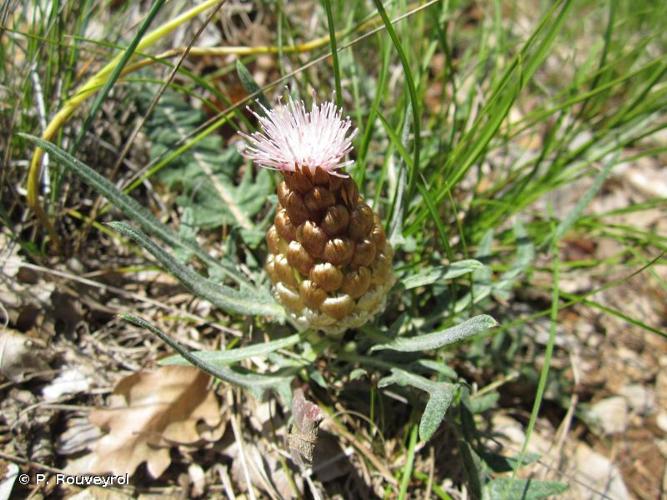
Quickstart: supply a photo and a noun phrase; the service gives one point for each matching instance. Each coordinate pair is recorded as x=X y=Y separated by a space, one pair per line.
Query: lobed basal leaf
x=440 y=394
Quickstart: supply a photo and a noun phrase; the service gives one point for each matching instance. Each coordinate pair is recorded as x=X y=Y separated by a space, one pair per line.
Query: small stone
x=662 y=446
x=641 y=399
x=662 y=361
x=596 y=472
x=661 y=420
x=611 y=413
x=661 y=388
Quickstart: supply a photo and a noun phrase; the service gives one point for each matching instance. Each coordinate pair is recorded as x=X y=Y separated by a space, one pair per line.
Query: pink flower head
x=292 y=137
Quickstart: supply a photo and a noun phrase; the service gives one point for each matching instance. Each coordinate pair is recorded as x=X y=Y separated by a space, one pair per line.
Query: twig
x=431 y=473
x=226 y=483
x=375 y=461
x=30 y=463
x=239 y=442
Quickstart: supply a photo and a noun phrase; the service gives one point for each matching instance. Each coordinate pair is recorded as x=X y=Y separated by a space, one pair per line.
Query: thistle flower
x=329 y=259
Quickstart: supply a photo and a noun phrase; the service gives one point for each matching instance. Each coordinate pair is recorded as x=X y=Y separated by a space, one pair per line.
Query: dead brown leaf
x=151 y=411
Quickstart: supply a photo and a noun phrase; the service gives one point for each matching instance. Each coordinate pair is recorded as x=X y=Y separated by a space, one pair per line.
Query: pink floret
x=290 y=136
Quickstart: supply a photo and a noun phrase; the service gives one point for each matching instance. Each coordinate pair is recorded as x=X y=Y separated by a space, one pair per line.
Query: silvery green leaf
x=500 y=463
x=286 y=362
x=435 y=340
x=526 y=489
x=473 y=467
x=226 y=298
x=583 y=202
x=439 y=274
x=358 y=373
x=223 y=358
x=257 y=384
x=481 y=286
x=317 y=377
x=440 y=398
x=439 y=367
x=483 y=254
x=186 y=232
x=479 y=292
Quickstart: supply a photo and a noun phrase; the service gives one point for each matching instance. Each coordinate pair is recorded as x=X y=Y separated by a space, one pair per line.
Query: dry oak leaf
x=155 y=410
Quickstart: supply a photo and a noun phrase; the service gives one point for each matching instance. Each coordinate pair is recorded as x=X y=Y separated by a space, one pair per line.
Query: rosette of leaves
x=408 y=351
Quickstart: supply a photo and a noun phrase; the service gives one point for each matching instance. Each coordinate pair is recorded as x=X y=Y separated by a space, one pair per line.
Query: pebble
x=661 y=420
x=611 y=414
x=596 y=472
x=641 y=399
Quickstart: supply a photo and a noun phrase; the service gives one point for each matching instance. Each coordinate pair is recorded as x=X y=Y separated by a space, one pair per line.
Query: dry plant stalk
x=329 y=260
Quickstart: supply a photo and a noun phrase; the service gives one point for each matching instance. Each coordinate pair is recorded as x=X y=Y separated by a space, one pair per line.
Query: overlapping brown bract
x=330 y=261
x=153 y=411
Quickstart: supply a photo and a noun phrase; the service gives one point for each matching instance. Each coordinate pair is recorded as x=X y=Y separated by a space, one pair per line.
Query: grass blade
x=406 y=473
x=250 y=85
x=334 y=52
x=409 y=80
x=116 y=71
x=544 y=373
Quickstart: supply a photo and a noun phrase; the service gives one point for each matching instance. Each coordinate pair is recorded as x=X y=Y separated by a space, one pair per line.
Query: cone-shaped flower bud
x=329 y=259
